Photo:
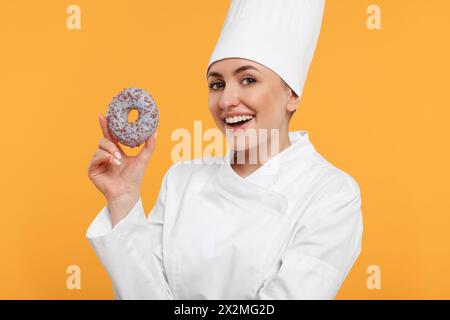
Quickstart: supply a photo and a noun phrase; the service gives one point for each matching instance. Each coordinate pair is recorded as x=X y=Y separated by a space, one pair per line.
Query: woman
x=287 y=226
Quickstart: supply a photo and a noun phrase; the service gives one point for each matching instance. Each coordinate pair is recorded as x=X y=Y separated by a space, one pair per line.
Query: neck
x=248 y=166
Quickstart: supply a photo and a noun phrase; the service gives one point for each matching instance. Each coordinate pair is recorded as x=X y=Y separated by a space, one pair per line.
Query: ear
x=293 y=101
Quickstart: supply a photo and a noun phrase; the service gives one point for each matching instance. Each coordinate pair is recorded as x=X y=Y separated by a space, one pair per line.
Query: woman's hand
x=116 y=175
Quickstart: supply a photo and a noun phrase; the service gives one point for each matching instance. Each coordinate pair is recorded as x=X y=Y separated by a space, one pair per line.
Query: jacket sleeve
x=321 y=253
x=131 y=252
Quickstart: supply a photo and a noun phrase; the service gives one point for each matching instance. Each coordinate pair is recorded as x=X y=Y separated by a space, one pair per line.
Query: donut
x=136 y=133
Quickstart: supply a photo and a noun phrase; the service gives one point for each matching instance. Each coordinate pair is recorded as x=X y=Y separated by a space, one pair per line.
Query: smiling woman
x=286 y=227
x=247 y=96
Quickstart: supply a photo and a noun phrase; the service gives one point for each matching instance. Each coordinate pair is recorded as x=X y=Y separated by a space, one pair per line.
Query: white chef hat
x=279 y=34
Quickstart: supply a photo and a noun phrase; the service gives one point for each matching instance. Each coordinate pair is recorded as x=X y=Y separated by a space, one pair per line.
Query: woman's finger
x=147 y=151
x=100 y=157
x=104 y=127
x=110 y=147
x=107 y=134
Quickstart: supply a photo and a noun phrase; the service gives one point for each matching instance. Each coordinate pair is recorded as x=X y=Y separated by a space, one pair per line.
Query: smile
x=240 y=123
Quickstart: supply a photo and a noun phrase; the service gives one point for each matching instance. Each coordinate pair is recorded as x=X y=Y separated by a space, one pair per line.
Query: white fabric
x=281 y=35
x=290 y=230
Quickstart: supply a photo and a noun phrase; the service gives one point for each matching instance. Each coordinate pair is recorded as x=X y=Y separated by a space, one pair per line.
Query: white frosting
x=136 y=133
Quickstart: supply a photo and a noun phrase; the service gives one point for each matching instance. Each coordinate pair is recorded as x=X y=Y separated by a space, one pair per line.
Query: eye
x=212 y=85
x=248 y=78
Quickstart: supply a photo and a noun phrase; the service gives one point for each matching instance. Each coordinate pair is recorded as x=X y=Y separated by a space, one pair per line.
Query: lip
x=237 y=114
x=241 y=126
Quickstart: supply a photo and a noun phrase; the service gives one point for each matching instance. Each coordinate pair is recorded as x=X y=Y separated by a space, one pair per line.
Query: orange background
x=376 y=105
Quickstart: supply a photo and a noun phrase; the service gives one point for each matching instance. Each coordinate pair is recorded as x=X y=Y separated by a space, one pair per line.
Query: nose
x=229 y=97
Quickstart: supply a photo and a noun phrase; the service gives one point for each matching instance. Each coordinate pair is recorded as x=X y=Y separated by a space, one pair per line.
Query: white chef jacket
x=290 y=230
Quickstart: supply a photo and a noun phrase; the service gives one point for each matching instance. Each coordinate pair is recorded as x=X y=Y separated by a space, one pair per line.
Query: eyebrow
x=238 y=70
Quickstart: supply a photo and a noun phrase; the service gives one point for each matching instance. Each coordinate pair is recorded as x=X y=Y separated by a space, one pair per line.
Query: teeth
x=238 y=118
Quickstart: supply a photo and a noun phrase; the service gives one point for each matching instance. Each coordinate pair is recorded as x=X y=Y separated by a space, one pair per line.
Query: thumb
x=148 y=149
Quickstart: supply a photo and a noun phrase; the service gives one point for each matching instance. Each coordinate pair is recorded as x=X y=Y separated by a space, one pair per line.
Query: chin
x=242 y=140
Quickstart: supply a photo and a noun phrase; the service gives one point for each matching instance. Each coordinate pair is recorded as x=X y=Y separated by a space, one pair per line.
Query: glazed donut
x=136 y=133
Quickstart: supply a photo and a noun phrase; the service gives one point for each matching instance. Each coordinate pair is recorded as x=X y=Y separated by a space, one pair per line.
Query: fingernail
x=116 y=161
x=156 y=133
x=117 y=154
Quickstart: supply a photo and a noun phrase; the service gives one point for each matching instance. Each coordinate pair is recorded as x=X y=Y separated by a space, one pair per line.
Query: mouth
x=239 y=125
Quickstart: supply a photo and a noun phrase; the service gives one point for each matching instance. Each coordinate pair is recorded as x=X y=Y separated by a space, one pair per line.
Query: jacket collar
x=297 y=154
x=261 y=184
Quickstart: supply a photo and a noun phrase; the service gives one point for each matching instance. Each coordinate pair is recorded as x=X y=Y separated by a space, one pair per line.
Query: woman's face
x=244 y=87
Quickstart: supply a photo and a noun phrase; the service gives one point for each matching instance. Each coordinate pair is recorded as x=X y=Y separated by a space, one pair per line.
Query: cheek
x=213 y=106
x=269 y=116
x=255 y=98
x=263 y=105
x=216 y=112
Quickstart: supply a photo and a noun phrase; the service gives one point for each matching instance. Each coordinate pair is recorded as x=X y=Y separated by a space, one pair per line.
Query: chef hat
x=279 y=34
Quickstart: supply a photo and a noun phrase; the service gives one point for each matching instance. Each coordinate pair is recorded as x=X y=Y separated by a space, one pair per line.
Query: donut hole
x=133 y=115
